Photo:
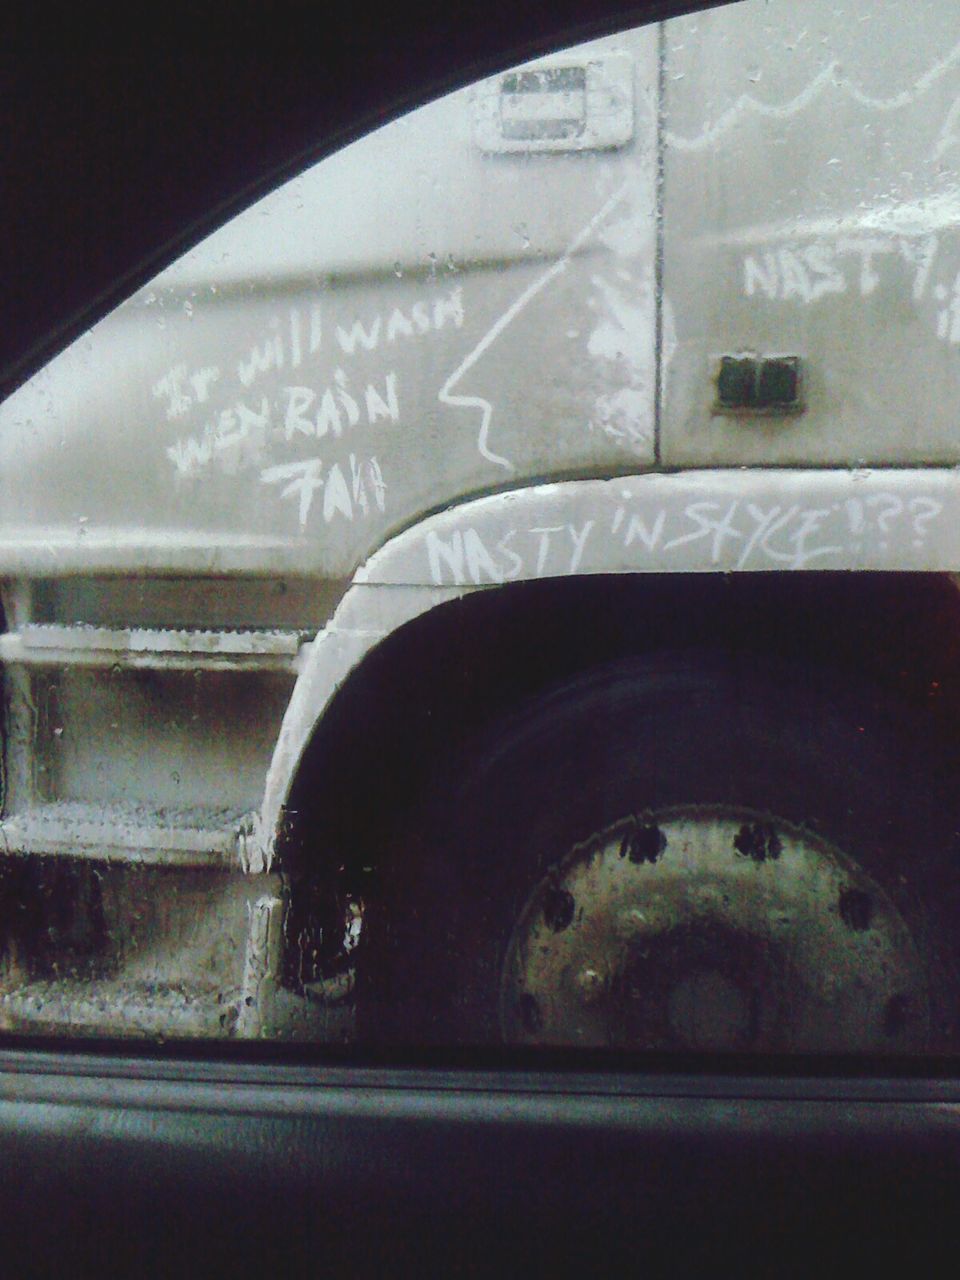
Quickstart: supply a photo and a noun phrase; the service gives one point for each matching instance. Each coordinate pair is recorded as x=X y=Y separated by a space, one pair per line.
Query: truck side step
x=115 y=1008
x=196 y=837
x=140 y=648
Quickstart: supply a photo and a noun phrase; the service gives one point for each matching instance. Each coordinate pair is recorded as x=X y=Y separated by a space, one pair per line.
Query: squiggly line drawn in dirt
x=830 y=76
x=446 y=396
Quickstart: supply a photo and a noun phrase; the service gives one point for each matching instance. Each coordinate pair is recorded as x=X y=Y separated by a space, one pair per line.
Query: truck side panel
x=810 y=210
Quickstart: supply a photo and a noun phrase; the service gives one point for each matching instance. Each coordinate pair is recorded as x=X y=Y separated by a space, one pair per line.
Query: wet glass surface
x=397 y=643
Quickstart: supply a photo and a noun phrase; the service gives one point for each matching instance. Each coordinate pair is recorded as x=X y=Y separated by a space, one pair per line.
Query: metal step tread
x=52 y=644
x=196 y=836
x=114 y=1007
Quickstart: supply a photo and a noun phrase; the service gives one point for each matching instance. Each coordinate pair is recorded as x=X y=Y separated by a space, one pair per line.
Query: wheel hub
x=713 y=929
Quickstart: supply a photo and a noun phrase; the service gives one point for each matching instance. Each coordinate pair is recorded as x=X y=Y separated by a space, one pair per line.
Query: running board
x=196 y=837
x=140 y=648
x=110 y=1008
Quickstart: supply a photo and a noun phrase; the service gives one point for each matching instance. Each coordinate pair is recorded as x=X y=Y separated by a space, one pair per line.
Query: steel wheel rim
x=713 y=929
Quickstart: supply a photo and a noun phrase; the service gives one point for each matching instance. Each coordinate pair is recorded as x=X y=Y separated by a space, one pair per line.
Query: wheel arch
x=436 y=597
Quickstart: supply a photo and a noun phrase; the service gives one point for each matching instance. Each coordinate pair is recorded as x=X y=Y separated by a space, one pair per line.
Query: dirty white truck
x=427 y=606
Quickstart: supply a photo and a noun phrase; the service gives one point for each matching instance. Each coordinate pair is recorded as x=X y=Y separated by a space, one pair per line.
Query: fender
x=685 y=522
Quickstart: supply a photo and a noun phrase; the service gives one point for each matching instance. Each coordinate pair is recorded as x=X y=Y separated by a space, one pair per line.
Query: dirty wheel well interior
x=442 y=678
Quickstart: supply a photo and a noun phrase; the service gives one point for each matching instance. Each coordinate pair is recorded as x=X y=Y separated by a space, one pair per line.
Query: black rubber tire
x=649 y=734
